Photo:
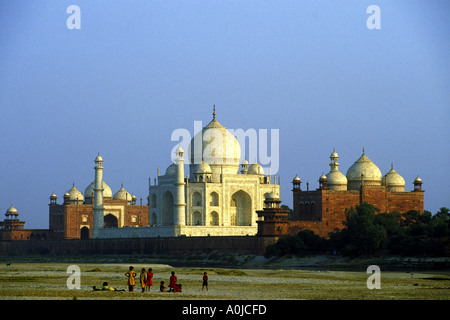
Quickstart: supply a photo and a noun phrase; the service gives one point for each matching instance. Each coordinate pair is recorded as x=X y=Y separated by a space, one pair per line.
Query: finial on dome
x=364 y=151
x=214 y=112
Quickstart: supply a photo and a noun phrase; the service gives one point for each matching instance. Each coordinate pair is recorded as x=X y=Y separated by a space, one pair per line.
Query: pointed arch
x=241 y=212
x=167 y=208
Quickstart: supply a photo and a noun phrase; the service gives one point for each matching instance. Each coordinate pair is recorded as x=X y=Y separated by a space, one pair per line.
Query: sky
x=136 y=71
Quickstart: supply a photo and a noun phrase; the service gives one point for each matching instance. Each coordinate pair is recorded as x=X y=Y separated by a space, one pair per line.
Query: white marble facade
x=219 y=196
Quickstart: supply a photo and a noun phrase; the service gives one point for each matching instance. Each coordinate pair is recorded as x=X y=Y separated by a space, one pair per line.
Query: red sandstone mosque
x=323 y=210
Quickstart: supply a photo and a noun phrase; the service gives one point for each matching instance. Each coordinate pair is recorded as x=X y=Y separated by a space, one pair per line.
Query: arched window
x=167 y=209
x=214 y=199
x=153 y=201
x=196 y=218
x=214 y=218
x=196 y=199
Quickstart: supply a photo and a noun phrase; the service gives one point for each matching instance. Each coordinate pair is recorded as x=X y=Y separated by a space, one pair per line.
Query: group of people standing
x=146 y=281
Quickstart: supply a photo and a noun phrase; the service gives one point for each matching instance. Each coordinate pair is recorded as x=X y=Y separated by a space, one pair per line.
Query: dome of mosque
x=122 y=194
x=218 y=146
x=89 y=191
x=392 y=178
x=255 y=168
x=393 y=181
x=75 y=194
x=335 y=177
x=365 y=169
x=296 y=179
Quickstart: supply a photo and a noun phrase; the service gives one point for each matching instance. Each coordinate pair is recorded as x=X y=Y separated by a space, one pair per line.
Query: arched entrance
x=111 y=221
x=84 y=233
x=241 y=209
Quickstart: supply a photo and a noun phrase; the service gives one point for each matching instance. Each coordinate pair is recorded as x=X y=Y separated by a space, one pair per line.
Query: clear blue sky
x=137 y=70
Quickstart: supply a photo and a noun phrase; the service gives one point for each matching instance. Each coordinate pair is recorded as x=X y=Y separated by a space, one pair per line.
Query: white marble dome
x=366 y=169
x=218 y=146
x=75 y=194
x=203 y=168
x=256 y=168
x=336 y=180
x=107 y=192
x=393 y=181
x=122 y=194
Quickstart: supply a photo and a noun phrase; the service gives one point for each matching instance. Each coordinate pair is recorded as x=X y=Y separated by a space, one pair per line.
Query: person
x=143 y=279
x=131 y=282
x=162 y=288
x=149 y=283
x=172 y=282
x=205 y=281
x=105 y=287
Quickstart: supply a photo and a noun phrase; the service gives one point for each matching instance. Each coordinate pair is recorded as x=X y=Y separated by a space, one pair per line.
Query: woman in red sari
x=149 y=283
x=172 y=282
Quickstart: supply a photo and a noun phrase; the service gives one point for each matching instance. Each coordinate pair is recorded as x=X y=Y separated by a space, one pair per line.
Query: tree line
x=368 y=232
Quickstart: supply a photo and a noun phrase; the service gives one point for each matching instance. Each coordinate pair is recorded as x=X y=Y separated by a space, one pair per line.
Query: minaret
x=180 y=203
x=98 y=195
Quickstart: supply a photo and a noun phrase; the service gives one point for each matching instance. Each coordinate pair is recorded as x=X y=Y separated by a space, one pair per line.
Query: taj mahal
x=219 y=197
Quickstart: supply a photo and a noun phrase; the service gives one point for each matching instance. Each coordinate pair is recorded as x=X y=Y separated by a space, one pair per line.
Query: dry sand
x=38 y=281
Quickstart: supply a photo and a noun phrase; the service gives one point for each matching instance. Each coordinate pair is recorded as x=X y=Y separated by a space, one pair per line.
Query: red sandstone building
x=12 y=228
x=74 y=218
x=323 y=210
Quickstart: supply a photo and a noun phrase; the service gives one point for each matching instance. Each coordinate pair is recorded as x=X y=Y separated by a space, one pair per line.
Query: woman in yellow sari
x=131 y=282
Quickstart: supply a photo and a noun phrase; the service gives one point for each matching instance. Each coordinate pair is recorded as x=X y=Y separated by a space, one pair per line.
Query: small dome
x=334 y=155
x=99 y=159
x=392 y=178
x=53 y=196
x=296 y=179
x=203 y=168
x=335 y=177
x=323 y=177
x=245 y=162
x=171 y=170
x=272 y=195
x=89 y=191
x=122 y=194
x=12 y=211
x=75 y=194
x=417 y=179
x=256 y=169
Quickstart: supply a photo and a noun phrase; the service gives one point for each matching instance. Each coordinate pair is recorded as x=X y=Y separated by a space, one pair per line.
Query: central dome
x=216 y=146
x=89 y=192
x=363 y=169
